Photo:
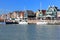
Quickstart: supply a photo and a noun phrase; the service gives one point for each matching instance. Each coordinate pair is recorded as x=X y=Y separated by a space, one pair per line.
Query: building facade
x=58 y=15
x=51 y=13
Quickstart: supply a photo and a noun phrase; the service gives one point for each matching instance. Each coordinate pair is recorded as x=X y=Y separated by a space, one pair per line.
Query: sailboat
x=41 y=21
x=23 y=18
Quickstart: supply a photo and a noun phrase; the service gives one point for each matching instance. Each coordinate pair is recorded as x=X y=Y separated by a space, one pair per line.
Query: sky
x=15 y=5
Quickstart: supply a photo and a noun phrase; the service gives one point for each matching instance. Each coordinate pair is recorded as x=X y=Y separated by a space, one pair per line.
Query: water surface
x=29 y=32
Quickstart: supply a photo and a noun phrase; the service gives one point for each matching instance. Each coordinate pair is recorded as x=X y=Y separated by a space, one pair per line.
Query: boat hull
x=23 y=22
x=11 y=22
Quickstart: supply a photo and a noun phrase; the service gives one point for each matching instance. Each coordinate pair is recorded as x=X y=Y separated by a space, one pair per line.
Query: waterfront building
x=44 y=12
x=39 y=14
x=3 y=16
x=58 y=15
x=31 y=15
x=14 y=15
x=9 y=15
x=51 y=13
x=1 y=19
x=21 y=14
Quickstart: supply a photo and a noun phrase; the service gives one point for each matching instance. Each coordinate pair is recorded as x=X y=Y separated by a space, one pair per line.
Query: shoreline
x=50 y=22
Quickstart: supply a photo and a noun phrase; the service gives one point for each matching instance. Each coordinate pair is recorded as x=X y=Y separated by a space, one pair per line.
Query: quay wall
x=49 y=21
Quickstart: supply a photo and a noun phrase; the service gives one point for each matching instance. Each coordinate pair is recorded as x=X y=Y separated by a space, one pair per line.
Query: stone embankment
x=49 y=21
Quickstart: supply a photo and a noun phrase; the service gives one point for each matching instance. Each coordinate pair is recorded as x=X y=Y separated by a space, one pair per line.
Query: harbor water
x=29 y=32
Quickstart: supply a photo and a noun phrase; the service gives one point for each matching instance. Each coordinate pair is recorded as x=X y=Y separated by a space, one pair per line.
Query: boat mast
x=40 y=10
x=40 y=6
x=25 y=12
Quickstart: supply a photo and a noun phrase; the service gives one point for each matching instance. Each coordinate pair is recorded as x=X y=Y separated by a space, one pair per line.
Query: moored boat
x=11 y=22
x=23 y=22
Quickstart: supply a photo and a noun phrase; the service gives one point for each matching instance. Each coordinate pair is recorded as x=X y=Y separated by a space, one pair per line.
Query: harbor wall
x=49 y=21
